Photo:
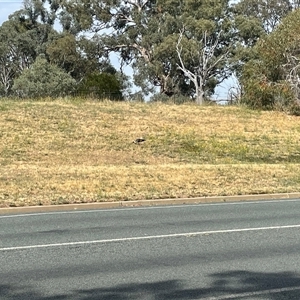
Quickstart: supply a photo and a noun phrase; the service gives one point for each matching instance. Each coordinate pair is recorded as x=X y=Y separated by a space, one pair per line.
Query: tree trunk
x=165 y=88
x=199 y=96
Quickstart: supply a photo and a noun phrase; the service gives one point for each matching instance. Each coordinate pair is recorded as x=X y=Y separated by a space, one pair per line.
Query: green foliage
x=254 y=19
x=218 y=37
x=260 y=15
x=271 y=80
x=22 y=39
x=43 y=79
x=29 y=33
x=101 y=86
x=249 y=29
x=145 y=33
x=261 y=94
x=75 y=56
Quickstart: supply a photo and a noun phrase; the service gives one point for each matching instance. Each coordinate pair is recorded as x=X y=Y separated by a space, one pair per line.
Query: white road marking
x=150 y=237
x=124 y=209
x=251 y=294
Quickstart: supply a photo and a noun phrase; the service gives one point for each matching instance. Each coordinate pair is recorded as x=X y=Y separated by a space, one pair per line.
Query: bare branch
x=139 y=4
x=204 y=60
x=292 y=69
x=181 y=66
x=143 y=51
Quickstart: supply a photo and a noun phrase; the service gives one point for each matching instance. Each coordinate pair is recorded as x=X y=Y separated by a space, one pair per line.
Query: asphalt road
x=246 y=250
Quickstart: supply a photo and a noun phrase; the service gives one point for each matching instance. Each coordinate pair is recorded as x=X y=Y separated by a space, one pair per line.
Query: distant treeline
x=176 y=48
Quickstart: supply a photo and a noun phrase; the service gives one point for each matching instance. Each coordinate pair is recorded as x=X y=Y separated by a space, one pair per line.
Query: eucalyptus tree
x=21 y=41
x=130 y=28
x=145 y=33
x=256 y=18
x=50 y=12
x=253 y=21
x=43 y=79
x=261 y=15
x=77 y=56
x=272 y=79
x=210 y=64
x=9 y=62
x=70 y=49
x=205 y=46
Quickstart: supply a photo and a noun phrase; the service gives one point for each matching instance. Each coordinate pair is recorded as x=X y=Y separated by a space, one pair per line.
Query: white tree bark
x=292 y=69
x=204 y=59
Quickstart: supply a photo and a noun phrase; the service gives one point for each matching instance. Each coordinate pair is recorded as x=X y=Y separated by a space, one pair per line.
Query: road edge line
x=149 y=202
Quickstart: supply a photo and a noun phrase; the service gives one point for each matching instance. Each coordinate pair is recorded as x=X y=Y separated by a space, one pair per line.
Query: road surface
x=246 y=250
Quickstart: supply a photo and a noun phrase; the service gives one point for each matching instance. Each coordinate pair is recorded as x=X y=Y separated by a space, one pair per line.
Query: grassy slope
x=70 y=152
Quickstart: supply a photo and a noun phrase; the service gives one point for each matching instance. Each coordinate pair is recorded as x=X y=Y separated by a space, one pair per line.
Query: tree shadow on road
x=237 y=284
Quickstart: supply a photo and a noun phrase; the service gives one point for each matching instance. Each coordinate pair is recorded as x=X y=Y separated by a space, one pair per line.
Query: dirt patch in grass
x=69 y=151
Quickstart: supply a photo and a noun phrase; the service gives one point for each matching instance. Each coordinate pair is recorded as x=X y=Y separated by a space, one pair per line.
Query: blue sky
x=8 y=7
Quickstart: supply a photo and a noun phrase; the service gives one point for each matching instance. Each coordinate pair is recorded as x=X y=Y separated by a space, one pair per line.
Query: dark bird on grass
x=139 y=141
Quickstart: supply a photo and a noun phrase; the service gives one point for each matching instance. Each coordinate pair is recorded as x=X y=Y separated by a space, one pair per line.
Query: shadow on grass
x=226 y=285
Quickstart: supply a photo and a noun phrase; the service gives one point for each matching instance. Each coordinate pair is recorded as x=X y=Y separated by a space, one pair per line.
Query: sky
x=8 y=7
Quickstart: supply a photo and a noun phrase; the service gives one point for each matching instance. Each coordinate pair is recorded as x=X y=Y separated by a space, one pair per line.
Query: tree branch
x=181 y=66
x=143 y=51
x=138 y=4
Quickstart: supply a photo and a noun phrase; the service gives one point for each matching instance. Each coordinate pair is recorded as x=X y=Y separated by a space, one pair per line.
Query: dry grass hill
x=75 y=151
